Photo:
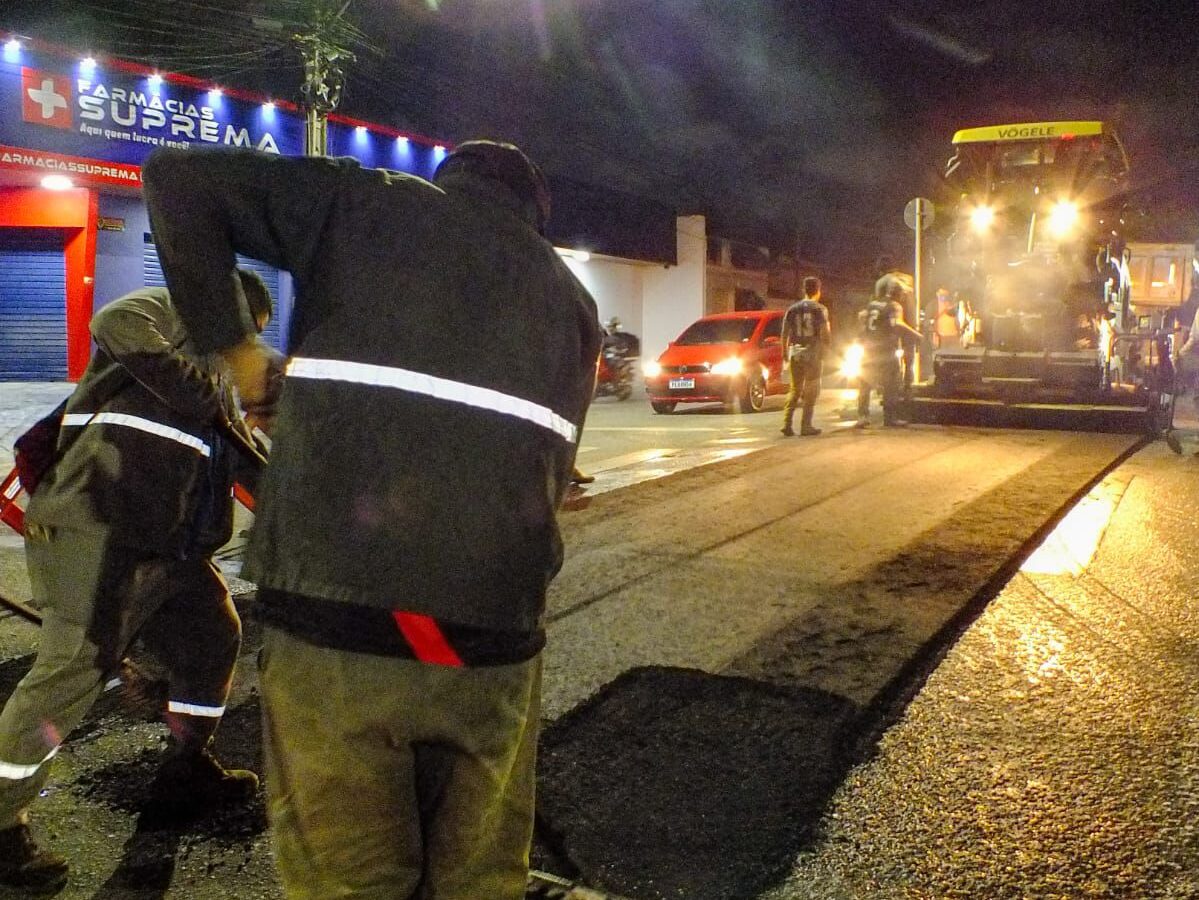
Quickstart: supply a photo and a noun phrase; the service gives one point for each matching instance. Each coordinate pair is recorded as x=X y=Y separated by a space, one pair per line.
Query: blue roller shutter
x=33 y=305
x=152 y=271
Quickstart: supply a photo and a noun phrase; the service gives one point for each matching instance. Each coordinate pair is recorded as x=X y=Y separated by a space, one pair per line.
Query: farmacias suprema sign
x=56 y=105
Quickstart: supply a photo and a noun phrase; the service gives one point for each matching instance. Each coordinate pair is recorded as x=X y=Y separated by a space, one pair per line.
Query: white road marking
x=634 y=458
x=639 y=429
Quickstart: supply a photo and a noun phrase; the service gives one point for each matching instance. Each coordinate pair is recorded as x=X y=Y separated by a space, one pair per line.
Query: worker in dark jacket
x=119 y=538
x=406 y=531
x=883 y=331
x=895 y=285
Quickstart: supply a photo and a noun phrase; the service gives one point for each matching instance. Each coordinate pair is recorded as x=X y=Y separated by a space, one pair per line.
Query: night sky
x=787 y=123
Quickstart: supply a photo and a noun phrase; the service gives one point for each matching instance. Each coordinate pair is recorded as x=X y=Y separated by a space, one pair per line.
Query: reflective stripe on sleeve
x=192 y=709
x=156 y=428
x=14 y=772
x=432 y=386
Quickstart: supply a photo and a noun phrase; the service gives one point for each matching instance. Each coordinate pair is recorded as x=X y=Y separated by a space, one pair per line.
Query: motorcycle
x=614 y=377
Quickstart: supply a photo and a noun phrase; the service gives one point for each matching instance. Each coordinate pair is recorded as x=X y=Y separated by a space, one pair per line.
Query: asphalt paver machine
x=1034 y=260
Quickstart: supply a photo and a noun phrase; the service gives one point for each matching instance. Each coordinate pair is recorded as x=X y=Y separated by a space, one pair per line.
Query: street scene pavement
x=831 y=667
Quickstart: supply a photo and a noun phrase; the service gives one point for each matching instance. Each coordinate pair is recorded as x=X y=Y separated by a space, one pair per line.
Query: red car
x=727 y=358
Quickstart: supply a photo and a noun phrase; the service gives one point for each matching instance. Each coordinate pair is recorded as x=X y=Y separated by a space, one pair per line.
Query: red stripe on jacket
x=425 y=637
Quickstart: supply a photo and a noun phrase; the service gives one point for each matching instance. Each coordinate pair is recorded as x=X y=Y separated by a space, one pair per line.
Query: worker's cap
x=257 y=294
x=507 y=164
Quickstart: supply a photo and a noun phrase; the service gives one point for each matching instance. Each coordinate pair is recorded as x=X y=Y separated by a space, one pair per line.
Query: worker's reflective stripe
x=112 y=684
x=192 y=709
x=432 y=386
x=14 y=772
x=425 y=638
x=166 y=431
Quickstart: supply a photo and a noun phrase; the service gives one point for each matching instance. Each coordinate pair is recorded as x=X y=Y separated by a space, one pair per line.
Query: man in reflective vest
x=406 y=530
x=119 y=538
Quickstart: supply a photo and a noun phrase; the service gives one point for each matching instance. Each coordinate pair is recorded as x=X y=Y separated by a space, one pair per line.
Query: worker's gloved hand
x=257 y=371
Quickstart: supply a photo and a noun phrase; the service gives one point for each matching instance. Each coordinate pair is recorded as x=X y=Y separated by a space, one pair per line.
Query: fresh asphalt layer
x=708 y=777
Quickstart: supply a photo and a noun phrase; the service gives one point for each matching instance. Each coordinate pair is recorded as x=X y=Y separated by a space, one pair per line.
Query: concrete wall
x=653 y=301
x=725 y=281
x=615 y=284
x=119 y=253
x=674 y=296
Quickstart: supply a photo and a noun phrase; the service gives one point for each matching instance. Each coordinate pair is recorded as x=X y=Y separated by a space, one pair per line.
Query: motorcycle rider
x=628 y=344
x=614 y=373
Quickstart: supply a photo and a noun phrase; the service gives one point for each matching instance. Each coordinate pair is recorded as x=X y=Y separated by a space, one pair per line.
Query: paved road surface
x=725 y=645
x=1055 y=752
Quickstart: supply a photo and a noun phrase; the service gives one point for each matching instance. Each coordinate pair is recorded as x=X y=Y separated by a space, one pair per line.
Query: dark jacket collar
x=489 y=192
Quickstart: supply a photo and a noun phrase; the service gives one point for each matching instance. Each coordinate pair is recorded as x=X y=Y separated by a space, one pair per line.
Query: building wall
x=674 y=296
x=119 y=253
x=617 y=286
x=723 y=283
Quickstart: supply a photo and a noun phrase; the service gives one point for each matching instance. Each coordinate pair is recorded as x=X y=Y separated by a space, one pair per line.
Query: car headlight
x=851 y=363
x=730 y=366
x=652 y=368
x=1062 y=218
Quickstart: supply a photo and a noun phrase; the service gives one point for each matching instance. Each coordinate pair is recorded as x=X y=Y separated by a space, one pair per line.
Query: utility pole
x=324 y=77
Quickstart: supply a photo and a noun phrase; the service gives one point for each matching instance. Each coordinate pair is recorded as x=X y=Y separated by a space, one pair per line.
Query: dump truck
x=1055 y=320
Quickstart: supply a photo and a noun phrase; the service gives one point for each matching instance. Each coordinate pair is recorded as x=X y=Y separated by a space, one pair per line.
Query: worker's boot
x=891 y=417
x=863 y=412
x=192 y=780
x=788 y=417
x=806 y=428
x=25 y=865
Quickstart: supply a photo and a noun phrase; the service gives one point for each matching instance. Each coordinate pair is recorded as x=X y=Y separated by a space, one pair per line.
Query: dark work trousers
x=97 y=599
x=805 y=388
x=885 y=376
x=392 y=779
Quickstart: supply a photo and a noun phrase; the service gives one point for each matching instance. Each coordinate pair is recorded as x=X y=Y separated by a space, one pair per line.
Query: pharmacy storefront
x=74 y=233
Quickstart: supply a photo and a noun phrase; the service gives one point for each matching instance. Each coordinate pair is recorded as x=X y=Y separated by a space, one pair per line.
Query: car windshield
x=718 y=331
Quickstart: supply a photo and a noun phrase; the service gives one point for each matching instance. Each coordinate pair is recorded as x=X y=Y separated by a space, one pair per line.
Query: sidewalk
x=21 y=404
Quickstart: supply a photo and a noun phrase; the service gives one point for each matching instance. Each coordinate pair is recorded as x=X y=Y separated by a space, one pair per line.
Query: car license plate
x=682 y=383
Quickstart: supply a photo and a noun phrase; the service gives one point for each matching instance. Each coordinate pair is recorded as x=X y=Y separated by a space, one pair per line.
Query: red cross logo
x=46 y=99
